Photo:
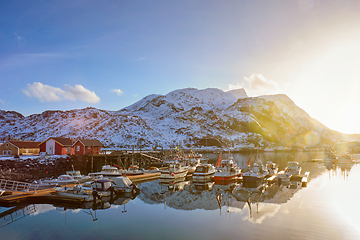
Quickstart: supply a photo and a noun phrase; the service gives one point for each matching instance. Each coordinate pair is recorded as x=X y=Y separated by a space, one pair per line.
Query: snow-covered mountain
x=180 y=117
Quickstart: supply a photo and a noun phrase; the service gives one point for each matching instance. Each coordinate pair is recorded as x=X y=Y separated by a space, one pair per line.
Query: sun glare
x=329 y=83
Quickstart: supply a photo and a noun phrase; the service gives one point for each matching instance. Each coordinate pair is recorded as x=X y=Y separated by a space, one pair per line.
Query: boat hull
x=225 y=178
x=203 y=176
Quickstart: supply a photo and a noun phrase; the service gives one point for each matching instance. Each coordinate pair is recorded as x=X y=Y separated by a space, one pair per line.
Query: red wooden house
x=87 y=146
x=57 y=146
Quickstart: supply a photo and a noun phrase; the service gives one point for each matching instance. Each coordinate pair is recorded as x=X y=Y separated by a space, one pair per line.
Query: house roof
x=90 y=142
x=61 y=140
x=25 y=144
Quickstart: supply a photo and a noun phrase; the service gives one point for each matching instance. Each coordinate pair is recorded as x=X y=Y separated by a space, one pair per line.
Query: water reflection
x=16 y=213
x=189 y=195
x=326 y=209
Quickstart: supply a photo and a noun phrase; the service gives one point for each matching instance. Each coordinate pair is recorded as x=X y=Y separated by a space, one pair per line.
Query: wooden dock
x=48 y=195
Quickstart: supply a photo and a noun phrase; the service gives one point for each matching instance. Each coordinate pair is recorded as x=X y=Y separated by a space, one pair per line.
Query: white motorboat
x=203 y=172
x=79 y=177
x=62 y=180
x=227 y=171
x=78 y=193
x=102 y=187
x=108 y=171
x=133 y=170
x=124 y=185
x=175 y=170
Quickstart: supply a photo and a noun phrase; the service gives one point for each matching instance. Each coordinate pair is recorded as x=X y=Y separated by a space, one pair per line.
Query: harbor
x=229 y=209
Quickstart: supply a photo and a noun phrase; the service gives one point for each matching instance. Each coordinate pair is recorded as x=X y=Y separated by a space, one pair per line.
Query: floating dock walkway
x=13 y=197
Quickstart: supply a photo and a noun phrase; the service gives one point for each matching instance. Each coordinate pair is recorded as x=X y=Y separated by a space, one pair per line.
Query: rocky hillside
x=180 y=117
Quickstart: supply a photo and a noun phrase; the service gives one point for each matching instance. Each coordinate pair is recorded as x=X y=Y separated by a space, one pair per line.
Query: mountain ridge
x=182 y=117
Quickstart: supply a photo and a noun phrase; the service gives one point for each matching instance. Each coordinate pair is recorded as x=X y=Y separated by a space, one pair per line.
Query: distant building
x=87 y=146
x=57 y=146
x=19 y=148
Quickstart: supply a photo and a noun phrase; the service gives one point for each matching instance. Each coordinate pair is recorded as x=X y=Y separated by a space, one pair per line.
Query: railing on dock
x=10 y=185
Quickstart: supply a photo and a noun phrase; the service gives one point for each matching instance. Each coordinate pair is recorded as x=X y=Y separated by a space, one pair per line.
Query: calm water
x=326 y=209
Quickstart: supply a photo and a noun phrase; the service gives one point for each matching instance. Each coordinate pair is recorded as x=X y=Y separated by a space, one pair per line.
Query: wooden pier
x=123 y=159
x=47 y=195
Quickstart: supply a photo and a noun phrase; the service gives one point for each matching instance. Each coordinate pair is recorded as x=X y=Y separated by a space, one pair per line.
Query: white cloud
x=46 y=93
x=117 y=91
x=2 y=101
x=256 y=85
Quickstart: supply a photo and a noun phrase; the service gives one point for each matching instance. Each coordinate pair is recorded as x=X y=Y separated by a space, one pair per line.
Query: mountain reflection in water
x=182 y=209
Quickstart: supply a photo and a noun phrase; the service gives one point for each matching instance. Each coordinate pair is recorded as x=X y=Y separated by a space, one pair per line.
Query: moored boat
x=79 y=177
x=133 y=170
x=203 y=172
x=293 y=168
x=124 y=185
x=102 y=187
x=174 y=170
x=108 y=171
x=272 y=168
x=62 y=180
x=76 y=193
x=256 y=173
x=227 y=171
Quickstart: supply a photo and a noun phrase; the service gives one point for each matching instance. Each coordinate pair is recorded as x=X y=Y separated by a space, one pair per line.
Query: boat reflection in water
x=203 y=186
x=174 y=185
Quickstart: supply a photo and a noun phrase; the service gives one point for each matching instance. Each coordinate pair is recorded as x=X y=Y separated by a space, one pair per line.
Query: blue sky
x=61 y=55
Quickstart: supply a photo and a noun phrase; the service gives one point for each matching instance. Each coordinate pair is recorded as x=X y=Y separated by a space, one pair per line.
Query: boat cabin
x=202 y=169
x=101 y=184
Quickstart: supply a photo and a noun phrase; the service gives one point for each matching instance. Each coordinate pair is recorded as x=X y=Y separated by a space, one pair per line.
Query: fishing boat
x=272 y=168
x=108 y=171
x=345 y=158
x=226 y=170
x=79 y=177
x=293 y=168
x=174 y=170
x=76 y=193
x=203 y=172
x=256 y=173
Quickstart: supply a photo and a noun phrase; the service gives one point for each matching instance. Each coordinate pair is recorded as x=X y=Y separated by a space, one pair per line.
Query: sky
x=62 y=55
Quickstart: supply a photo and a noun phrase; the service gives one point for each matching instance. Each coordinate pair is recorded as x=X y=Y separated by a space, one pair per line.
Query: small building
x=57 y=146
x=87 y=146
x=19 y=148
